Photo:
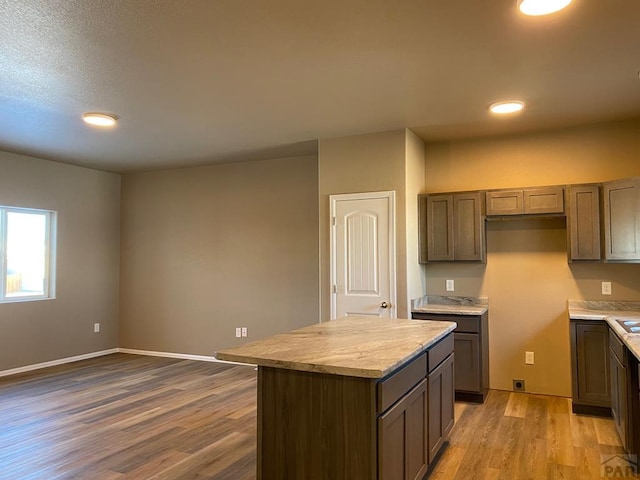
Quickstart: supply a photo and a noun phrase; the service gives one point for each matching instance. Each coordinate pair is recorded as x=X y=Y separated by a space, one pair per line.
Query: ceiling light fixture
x=509 y=106
x=99 y=119
x=541 y=7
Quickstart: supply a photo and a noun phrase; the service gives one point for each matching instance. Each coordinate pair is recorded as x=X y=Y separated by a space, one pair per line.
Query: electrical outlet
x=450 y=285
x=96 y=328
x=528 y=358
x=518 y=385
x=244 y=331
x=606 y=288
x=238 y=332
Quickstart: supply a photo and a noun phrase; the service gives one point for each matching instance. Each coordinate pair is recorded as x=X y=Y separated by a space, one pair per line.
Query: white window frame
x=49 y=286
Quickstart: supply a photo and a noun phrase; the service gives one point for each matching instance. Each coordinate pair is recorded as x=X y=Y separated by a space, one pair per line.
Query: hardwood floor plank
x=139 y=418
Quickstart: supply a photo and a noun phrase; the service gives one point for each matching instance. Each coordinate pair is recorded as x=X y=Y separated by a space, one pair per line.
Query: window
x=27 y=245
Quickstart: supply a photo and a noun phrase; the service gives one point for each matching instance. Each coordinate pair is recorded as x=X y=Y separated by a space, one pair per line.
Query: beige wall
x=363 y=163
x=527 y=277
x=88 y=241
x=415 y=184
x=207 y=249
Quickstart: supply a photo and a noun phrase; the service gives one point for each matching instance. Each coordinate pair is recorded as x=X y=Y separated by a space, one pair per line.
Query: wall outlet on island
x=450 y=285
x=606 y=288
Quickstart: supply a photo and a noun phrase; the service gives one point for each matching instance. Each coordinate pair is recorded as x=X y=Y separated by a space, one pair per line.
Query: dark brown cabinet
x=583 y=223
x=471 y=347
x=403 y=437
x=590 y=372
x=527 y=201
x=416 y=418
x=622 y=220
x=452 y=227
x=619 y=400
x=440 y=405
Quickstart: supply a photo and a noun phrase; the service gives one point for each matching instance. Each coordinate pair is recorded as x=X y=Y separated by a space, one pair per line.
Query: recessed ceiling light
x=509 y=106
x=541 y=7
x=99 y=119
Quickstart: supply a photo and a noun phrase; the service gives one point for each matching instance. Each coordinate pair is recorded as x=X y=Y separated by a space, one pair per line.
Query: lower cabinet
x=619 y=397
x=403 y=437
x=590 y=367
x=440 y=406
x=625 y=394
x=471 y=346
x=414 y=426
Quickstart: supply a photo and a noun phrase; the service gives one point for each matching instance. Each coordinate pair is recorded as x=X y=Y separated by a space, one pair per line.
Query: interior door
x=363 y=255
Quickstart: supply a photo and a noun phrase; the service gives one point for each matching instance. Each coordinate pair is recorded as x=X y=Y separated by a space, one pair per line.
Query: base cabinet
x=590 y=372
x=318 y=426
x=403 y=437
x=440 y=405
x=471 y=347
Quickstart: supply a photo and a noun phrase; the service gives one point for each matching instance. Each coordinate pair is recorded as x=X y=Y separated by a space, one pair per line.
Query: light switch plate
x=238 y=332
x=450 y=285
x=528 y=358
x=606 y=288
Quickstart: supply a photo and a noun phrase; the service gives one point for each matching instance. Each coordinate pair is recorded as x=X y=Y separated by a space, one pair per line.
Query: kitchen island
x=354 y=398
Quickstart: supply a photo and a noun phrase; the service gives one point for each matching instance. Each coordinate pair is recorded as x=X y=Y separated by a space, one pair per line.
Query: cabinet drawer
x=618 y=348
x=468 y=324
x=399 y=383
x=440 y=351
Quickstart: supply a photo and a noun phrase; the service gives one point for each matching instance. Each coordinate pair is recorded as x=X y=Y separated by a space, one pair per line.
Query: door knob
x=385 y=305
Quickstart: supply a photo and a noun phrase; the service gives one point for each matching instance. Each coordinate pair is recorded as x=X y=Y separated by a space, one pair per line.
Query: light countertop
x=450 y=305
x=354 y=346
x=610 y=312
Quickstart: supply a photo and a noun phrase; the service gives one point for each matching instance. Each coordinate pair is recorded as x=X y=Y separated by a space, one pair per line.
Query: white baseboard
x=53 y=363
x=182 y=356
x=86 y=356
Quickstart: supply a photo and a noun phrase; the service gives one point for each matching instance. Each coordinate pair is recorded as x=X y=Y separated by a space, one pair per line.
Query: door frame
x=333 y=200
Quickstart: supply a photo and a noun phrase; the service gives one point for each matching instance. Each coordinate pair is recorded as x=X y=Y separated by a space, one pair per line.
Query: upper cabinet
x=527 y=201
x=452 y=227
x=622 y=220
x=583 y=223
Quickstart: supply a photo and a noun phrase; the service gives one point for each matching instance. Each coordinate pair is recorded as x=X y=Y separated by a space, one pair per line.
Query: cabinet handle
x=385 y=305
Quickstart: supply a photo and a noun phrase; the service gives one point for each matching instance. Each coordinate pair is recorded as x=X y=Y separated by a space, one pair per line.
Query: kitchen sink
x=631 y=326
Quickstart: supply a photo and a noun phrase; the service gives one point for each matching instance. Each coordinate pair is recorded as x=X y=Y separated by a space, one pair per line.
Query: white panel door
x=363 y=255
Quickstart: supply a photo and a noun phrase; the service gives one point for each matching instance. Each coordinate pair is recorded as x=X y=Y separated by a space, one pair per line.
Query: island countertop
x=353 y=346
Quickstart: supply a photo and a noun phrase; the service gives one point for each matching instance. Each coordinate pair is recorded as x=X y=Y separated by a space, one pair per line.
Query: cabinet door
x=441 y=405
x=543 y=200
x=505 y=202
x=592 y=363
x=619 y=397
x=467 y=350
x=440 y=228
x=402 y=437
x=584 y=222
x=622 y=220
x=468 y=227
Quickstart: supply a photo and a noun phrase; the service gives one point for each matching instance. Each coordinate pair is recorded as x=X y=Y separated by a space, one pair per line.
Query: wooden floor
x=135 y=417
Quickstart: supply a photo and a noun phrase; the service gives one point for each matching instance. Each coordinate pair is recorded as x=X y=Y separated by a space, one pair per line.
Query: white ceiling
x=201 y=81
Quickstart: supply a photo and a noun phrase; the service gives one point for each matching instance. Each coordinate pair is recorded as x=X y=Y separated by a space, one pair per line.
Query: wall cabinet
x=471 y=347
x=452 y=227
x=528 y=201
x=622 y=220
x=583 y=223
x=590 y=371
